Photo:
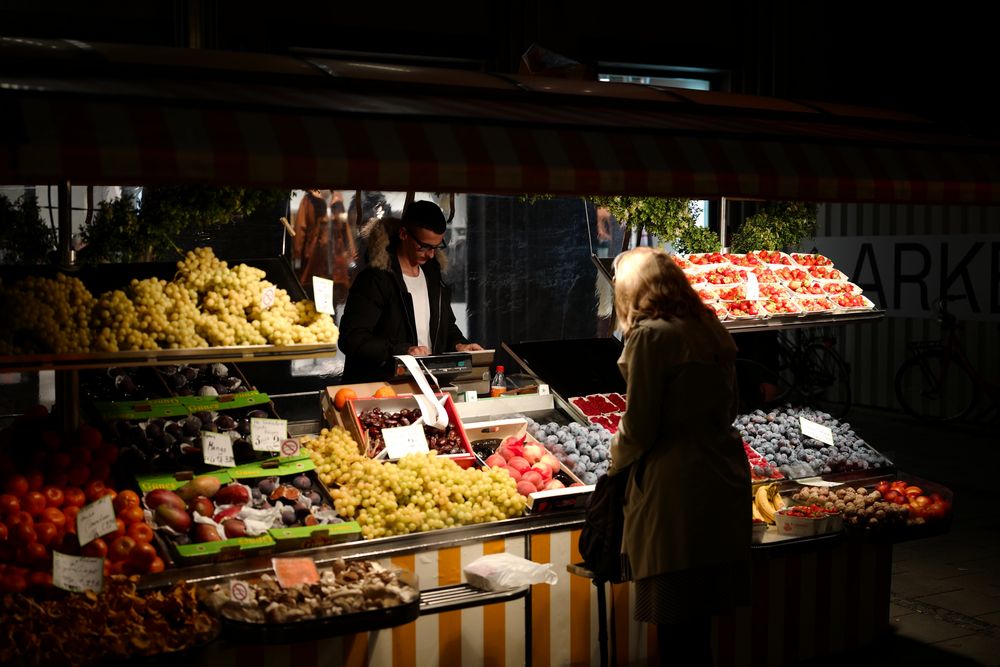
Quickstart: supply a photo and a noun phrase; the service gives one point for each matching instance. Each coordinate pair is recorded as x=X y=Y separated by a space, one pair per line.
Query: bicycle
x=937 y=382
x=808 y=371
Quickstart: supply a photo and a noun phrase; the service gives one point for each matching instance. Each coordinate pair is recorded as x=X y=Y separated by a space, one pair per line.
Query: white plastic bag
x=497 y=572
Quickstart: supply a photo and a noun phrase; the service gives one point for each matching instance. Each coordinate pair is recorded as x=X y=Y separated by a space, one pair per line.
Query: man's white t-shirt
x=417 y=287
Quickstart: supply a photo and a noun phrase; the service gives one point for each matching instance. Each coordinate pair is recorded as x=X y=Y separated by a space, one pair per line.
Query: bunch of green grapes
x=48 y=315
x=115 y=325
x=421 y=492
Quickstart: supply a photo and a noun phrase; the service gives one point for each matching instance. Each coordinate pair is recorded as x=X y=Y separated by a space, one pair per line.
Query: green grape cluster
x=208 y=303
x=46 y=313
x=421 y=492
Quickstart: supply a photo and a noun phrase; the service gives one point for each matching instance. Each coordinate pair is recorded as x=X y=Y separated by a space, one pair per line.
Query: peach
x=534 y=477
x=543 y=469
x=524 y=488
x=533 y=452
x=554 y=484
x=496 y=461
x=518 y=463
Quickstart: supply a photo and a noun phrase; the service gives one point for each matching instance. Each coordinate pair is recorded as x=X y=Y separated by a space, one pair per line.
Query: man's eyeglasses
x=427 y=246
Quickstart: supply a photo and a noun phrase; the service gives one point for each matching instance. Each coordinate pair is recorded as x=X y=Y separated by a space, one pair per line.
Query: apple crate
x=357 y=406
x=486 y=438
x=171 y=544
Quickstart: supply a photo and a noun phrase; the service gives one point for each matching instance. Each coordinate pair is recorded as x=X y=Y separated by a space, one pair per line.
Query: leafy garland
x=126 y=231
x=672 y=221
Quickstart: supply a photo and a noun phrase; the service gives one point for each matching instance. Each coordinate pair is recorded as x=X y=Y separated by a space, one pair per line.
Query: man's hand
x=467 y=347
x=418 y=351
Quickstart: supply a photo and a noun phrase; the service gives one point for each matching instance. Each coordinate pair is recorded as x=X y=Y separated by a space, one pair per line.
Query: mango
x=178 y=519
x=234 y=528
x=205 y=533
x=202 y=505
x=204 y=485
x=158 y=497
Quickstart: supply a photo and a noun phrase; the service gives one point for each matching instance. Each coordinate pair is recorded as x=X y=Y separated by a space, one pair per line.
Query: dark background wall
x=937 y=62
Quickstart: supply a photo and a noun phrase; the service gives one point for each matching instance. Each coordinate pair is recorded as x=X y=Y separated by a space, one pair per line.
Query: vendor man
x=399 y=304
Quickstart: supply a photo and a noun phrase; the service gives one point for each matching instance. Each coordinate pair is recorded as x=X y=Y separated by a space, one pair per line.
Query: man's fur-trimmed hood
x=382 y=236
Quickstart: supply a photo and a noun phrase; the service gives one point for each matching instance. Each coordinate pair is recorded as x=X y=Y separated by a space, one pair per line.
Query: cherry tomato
x=55 y=516
x=46 y=533
x=141 y=532
x=126 y=498
x=34 y=503
x=131 y=515
x=121 y=548
x=96 y=548
x=16 y=485
x=74 y=497
x=94 y=489
x=9 y=504
x=54 y=496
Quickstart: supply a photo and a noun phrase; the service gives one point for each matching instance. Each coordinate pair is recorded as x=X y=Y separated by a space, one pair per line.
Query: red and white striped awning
x=285 y=122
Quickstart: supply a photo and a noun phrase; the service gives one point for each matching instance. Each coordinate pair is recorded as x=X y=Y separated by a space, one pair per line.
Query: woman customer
x=687 y=501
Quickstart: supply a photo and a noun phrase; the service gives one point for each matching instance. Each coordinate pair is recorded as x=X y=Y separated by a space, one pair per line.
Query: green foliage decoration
x=697 y=239
x=664 y=218
x=24 y=236
x=126 y=231
x=778 y=226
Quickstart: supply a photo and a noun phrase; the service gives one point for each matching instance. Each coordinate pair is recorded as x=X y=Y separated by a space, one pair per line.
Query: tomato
x=141 y=532
x=107 y=567
x=55 y=516
x=36 y=480
x=142 y=556
x=131 y=515
x=94 y=489
x=88 y=436
x=54 y=496
x=16 y=485
x=19 y=518
x=9 y=504
x=96 y=548
x=107 y=452
x=69 y=544
x=60 y=460
x=882 y=487
x=121 y=548
x=13 y=582
x=70 y=514
x=117 y=532
x=34 y=503
x=80 y=456
x=913 y=491
x=46 y=533
x=33 y=553
x=23 y=534
x=74 y=497
x=899 y=485
x=156 y=566
x=59 y=478
x=126 y=498
x=118 y=566
x=936 y=510
x=78 y=476
x=100 y=470
x=39 y=580
x=50 y=439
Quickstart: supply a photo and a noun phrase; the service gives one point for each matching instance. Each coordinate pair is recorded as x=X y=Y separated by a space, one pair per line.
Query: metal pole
x=67 y=383
x=723 y=218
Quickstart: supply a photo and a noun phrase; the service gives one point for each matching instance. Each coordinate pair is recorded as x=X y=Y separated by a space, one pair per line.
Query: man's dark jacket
x=378 y=320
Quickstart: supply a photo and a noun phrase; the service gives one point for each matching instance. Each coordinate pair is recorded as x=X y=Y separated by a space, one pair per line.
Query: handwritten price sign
x=217 y=449
x=266 y=435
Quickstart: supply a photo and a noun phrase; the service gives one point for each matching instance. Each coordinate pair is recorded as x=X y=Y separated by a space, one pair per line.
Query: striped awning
x=143 y=116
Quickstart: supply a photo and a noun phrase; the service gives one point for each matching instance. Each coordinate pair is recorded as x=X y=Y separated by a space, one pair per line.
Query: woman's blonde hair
x=648 y=285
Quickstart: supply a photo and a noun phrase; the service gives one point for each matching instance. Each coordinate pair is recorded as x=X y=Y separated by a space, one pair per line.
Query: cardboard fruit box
x=194 y=553
x=357 y=406
x=299 y=536
x=486 y=437
x=341 y=417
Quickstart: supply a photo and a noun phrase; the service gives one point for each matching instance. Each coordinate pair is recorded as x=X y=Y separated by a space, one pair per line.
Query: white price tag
x=217 y=449
x=471 y=397
x=323 y=295
x=753 y=287
x=403 y=440
x=543 y=390
x=267 y=298
x=815 y=431
x=238 y=590
x=266 y=435
x=95 y=519
x=77 y=574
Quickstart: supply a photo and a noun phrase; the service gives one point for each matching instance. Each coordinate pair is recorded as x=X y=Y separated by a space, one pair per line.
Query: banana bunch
x=767 y=501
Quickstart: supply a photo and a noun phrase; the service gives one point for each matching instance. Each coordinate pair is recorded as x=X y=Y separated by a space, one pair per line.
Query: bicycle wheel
x=932 y=387
x=823 y=380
